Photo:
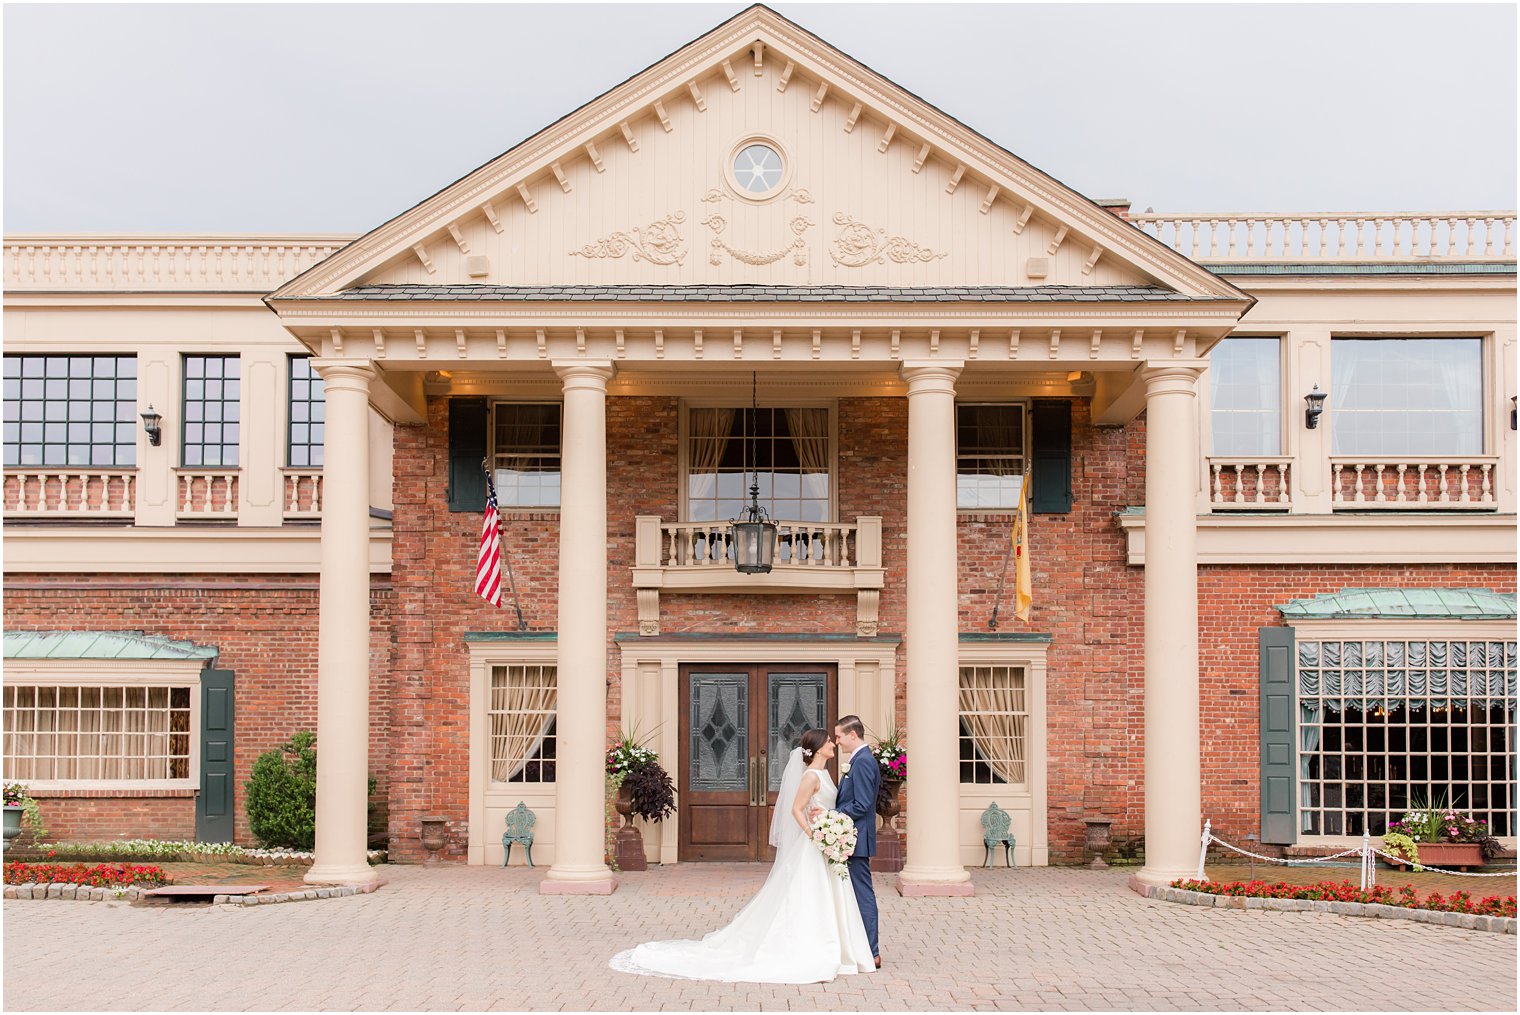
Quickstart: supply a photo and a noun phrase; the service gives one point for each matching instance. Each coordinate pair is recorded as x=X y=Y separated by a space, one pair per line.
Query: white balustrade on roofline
x=1250 y=484
x=207 y=493
x=50 y=492
x=1242 y=237
x=257 y=264
x=1421 y=484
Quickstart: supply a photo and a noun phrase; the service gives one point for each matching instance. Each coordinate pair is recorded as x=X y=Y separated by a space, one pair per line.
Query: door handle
x=754 y=779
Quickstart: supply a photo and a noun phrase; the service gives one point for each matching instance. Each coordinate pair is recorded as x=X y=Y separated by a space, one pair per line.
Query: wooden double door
x=739 y=724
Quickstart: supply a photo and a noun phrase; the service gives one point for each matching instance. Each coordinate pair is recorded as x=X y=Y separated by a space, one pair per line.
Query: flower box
x=1446 y=855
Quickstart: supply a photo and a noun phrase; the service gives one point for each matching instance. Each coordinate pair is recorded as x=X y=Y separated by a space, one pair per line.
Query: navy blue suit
x=857 y=798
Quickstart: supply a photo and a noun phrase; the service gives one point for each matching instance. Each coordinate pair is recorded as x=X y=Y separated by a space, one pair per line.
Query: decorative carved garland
x=799 y=225
x=858 y=245
x=660 y=242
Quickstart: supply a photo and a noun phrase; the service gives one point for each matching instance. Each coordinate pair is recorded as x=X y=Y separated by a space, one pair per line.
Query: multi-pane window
x=71 y=410
x=307 y=417
x=213 y=392
x=113 y=733
x=1245 y=389
x=522 y=717
x=990 y=455
x=1386 y=726
x=786 y=452
x=525 y=452
x=1406 y=396
x=994 y=717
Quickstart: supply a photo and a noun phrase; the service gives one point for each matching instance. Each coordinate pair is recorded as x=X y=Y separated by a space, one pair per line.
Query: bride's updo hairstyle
x=811 y=741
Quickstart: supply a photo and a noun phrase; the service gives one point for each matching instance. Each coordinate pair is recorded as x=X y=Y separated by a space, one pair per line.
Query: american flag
x=488 y=562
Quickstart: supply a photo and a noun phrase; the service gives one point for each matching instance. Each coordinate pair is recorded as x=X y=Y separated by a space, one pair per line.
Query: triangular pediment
x=875 y=188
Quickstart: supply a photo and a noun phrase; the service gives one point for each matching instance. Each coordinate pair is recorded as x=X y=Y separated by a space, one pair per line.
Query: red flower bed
x=1325 y=891
x=100 y=875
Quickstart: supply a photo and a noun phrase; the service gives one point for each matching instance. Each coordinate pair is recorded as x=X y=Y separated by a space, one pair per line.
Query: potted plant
x=644 y=790
x=1439 y=836
x=891 y=756
x=18 y=803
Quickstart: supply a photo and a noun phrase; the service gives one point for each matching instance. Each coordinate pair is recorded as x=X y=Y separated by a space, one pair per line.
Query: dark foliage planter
x=889 y=847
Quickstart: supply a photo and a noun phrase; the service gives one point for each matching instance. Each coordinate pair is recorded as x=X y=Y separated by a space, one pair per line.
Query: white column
x=933 y=865
x=1173 y=777
x=580 y=782
x=343 y=631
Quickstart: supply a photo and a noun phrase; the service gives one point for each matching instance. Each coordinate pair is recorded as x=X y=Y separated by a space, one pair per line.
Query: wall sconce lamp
x=1315 y=400
x=151 y=426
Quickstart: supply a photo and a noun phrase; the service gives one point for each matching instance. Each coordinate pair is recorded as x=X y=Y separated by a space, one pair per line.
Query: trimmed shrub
x=282 y=794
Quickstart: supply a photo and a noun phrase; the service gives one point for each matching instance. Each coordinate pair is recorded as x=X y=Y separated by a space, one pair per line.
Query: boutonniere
x=844 y=768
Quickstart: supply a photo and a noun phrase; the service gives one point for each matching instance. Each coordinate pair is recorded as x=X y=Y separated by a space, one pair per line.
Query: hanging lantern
x=754 y=532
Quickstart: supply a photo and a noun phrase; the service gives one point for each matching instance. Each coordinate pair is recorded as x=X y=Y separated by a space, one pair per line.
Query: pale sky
x=333 y=118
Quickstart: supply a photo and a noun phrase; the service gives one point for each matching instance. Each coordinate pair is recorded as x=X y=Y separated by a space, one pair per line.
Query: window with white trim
x=993 y=723
x=58 y=733
x=1406 y=396
x=1245 y=393
x=991 y=454
x=525 y=453
x=1385 y=726
x=522 y=716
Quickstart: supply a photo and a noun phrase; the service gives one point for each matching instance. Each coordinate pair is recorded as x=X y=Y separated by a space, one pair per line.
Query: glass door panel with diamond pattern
x=738 y=725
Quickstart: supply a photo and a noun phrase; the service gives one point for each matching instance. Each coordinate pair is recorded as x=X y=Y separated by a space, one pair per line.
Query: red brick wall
x=71 y=818
x=265 y=627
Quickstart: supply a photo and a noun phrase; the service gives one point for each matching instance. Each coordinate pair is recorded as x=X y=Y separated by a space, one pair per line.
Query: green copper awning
x=1403 y=604
x=100 y=645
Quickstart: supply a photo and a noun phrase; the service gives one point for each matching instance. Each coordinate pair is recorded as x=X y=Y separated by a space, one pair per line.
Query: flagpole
x=501 y=538
x=997 y=602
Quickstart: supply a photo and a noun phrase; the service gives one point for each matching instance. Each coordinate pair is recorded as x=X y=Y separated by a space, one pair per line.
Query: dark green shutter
x=467 y=449
x=214 y=808
x=1050 y=423
x=1279 y=815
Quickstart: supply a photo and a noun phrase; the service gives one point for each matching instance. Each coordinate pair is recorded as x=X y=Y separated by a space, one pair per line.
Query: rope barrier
x=1367 y=853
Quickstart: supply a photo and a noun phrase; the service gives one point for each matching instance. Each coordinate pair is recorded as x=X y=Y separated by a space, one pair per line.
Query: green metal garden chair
x=995 y=822
x=520 y=822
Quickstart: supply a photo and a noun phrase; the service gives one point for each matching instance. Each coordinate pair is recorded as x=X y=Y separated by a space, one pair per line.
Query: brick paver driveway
x=476 y=938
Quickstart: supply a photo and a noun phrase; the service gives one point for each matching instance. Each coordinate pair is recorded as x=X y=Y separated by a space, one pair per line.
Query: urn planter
x=1098 y=834
x=13 y=814
x=1446 y=855
x=630 y=844
x=889 y=848
x=434 y=835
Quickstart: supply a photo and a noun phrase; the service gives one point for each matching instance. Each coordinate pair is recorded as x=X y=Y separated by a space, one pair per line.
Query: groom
x=857 y=798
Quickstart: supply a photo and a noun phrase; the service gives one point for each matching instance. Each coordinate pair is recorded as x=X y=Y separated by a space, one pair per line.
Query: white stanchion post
x=1369 y=862
x=1203 y=849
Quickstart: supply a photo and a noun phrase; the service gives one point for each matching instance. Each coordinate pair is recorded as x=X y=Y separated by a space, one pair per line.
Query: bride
x=803 y=926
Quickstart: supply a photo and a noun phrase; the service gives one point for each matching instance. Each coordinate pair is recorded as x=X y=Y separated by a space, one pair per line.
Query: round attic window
x=758 y=169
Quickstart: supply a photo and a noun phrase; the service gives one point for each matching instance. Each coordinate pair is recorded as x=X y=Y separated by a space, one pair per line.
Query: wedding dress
x=802 y=926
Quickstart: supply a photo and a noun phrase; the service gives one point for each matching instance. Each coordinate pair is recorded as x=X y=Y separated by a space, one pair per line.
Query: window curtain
x=708 y=437
x=810 y=437
x=520 y=438
x=996 y=733
x=521 y=713
x=1345 y=363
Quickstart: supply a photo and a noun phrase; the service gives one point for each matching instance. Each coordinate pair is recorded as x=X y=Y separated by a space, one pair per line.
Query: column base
x=950 y=883
x=341 y=874
x=549 y=886
x=1162 y=878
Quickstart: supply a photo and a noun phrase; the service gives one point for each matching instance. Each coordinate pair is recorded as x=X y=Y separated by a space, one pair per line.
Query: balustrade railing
x=1338 y=236
x=1372 y=483
x=207 y=493
x=798 y=544
x=161 y=263
x=1250 y=484
x=303 y=494
x=69 y=493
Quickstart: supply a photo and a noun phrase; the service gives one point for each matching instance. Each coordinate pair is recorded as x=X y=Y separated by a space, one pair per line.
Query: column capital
x=345 y=374
x=587 y=373
x=924 y=376
x=1172 y=376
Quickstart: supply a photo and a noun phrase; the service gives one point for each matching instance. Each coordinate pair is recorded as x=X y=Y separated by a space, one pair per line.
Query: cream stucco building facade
x=759 y=221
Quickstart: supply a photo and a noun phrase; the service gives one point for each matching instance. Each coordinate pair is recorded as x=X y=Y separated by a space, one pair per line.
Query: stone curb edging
x=86 y=893
x=1370 y=910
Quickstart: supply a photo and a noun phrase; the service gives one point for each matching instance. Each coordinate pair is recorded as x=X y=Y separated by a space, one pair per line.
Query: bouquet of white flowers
x=834 y=834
